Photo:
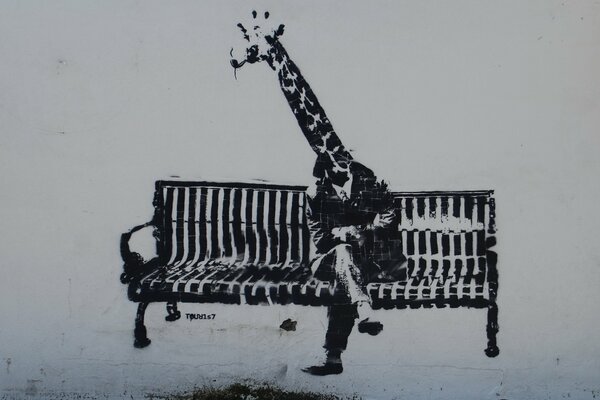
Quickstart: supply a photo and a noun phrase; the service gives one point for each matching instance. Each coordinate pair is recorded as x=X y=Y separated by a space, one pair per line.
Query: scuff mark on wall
x=31 y=388
x=288 y=325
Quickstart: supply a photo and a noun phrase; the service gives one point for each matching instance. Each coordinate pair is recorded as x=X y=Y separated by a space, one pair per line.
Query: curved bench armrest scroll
x=133 y=263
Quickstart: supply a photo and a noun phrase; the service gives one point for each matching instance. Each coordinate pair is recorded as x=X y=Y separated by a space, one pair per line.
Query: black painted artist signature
x=192 y=317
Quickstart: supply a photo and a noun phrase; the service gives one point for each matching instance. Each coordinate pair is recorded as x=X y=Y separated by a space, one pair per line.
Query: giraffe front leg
x=173 y=313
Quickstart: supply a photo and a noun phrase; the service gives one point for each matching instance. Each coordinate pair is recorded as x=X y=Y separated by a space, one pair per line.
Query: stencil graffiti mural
x=372 y=248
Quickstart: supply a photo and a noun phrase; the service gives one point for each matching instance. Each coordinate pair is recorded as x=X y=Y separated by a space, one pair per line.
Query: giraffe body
x=351 y=215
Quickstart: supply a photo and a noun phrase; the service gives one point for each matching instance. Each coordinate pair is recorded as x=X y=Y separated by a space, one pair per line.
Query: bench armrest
x=133 y=263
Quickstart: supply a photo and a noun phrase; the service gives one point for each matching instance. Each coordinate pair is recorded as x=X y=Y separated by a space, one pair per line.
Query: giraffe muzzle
x=236 y=64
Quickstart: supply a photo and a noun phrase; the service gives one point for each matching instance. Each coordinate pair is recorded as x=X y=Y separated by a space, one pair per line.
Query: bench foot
x=139 y=333
x=492 y=349
x=172 y=313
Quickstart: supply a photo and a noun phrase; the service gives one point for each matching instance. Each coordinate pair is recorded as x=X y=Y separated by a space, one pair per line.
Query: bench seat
x=222 y=281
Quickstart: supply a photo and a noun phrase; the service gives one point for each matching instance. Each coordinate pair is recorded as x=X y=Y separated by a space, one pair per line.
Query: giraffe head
x=260 y=40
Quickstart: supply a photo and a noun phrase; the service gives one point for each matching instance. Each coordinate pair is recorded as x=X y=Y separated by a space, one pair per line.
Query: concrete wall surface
x=98 y=100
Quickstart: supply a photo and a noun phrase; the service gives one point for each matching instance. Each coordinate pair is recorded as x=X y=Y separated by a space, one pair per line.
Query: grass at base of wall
x=244 y=392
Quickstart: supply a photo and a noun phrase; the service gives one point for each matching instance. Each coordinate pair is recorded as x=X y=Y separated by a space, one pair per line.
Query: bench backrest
x=446 y=237
x=249 y=223
x=266 y=224
x=452 y=224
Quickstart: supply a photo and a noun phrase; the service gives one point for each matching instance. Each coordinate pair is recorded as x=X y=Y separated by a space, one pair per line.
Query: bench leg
x=492 y=329
x=141 y=338
x=173 y=313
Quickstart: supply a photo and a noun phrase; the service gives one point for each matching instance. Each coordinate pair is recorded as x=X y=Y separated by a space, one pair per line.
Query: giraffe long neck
x=311 y=117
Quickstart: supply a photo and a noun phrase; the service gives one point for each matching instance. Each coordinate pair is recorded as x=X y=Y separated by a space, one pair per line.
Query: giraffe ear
x=279 y=31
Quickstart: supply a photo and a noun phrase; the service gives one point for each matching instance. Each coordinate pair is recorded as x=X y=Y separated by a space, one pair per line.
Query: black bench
x=241 y=243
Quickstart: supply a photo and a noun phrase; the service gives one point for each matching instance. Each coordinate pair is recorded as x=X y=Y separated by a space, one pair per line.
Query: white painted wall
x=100 y=99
